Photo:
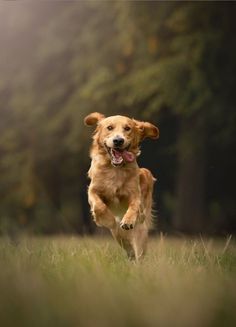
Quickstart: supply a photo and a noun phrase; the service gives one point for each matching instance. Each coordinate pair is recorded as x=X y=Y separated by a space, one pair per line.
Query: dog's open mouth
x=120 y=156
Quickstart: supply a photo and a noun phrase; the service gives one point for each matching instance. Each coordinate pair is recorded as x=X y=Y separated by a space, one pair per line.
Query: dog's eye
x=110 y=128
x=127 y=128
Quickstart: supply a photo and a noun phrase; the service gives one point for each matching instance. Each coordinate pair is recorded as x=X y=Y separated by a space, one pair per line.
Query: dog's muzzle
x=120 y=156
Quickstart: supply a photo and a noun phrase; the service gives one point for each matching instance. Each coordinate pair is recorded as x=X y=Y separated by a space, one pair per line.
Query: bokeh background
x=171 y=63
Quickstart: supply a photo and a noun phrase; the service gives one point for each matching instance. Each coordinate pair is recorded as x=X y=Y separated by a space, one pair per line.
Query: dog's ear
x=93 y=118
x=146 y=129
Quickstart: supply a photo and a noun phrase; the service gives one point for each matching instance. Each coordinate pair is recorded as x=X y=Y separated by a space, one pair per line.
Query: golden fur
x=120 y=193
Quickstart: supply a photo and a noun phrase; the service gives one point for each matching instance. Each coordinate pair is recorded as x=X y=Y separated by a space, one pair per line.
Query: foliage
x=151 y=60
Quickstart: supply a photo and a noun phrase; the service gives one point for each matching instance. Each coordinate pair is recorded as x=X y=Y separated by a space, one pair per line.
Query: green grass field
x=89 y=282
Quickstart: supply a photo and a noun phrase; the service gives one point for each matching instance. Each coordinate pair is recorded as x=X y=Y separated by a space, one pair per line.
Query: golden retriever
x=120 y=193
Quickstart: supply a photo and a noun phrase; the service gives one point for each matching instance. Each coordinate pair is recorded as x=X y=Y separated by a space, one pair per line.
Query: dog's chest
x=117 y=195
x=118 y=208
x=115 y=185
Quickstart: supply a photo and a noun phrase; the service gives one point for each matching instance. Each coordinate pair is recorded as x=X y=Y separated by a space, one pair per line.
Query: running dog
x=120 y=193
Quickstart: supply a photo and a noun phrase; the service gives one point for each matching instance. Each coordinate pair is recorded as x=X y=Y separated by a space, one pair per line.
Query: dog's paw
x=126 y=226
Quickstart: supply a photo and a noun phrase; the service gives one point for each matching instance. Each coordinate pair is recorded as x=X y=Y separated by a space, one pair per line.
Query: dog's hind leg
x=139 y=240
x=133 y=242
x=128 y=247
x=124 y=242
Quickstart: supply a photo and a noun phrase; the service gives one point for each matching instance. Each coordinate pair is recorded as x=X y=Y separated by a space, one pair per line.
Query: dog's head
x=120 y=136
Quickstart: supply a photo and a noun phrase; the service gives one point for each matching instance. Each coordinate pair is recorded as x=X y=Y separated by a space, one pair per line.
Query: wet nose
x=118 y=141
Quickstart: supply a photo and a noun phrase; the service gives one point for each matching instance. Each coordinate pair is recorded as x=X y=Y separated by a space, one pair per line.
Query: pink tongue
x=128 y=156
x=117 y=154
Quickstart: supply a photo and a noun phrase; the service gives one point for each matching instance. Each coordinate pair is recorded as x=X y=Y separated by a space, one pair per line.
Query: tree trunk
x=190 y=209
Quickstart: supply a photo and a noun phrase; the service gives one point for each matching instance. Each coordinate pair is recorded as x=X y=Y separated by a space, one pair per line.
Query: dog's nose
x=118 y=141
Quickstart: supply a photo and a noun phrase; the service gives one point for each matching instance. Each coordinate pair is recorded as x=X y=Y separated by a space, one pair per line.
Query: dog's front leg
x=132 y=213
x=101 y=213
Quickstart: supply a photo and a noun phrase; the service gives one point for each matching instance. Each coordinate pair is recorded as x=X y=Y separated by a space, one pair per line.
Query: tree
x=165 y=62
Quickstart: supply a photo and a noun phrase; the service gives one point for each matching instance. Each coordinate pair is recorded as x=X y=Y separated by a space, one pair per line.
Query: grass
x=89 y=282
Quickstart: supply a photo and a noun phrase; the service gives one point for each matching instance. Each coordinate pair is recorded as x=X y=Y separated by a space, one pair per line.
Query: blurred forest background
x=171 y=63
